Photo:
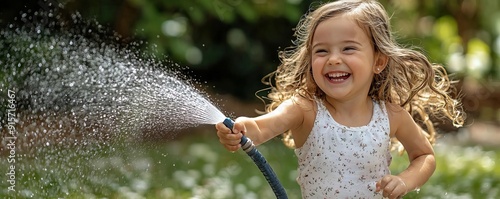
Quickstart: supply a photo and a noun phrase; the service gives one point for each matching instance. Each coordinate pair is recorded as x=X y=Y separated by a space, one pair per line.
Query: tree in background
x=232 y=44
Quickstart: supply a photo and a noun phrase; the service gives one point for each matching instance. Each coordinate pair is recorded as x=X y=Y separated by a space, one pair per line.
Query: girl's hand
x=392 y=186
x=230 y=140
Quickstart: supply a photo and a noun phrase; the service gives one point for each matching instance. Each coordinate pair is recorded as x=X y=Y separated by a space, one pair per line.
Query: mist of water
x=79 y=92
x=82 y=78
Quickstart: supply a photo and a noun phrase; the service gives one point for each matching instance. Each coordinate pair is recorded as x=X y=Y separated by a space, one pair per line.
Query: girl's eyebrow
x=352 y=41
x=317 y=44
x=343 y=41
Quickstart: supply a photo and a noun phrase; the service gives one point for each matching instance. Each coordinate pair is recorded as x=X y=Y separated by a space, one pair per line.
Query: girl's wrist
x=406 y=190
x=406 y=187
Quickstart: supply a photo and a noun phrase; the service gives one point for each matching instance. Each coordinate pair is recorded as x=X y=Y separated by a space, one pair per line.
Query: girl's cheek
x=317 y=61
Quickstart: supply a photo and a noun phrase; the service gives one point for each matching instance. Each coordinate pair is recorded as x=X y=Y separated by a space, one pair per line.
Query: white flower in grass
x=458 y=196
x=209 y=169
x=293 y=175
x=141 y=164
x=254 y=182
x=204 y=152
x=187 y=179
x=126 y=193
x=240 y=189
x=116 y=162
x=201 y=192
x=167 y=193
x=250 y=195
x=223 y=188
x=231 y=170
x=139 y=185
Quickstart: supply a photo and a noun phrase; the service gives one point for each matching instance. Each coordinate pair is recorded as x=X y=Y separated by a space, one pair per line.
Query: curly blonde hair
x=408 y=80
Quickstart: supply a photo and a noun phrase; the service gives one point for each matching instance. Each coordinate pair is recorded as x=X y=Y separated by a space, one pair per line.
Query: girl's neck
x=352 y=112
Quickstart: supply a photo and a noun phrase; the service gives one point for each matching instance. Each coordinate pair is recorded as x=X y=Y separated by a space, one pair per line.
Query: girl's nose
x=334 y=59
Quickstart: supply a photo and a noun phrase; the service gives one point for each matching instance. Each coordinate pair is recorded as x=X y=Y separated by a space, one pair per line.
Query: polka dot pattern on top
x=338 y=161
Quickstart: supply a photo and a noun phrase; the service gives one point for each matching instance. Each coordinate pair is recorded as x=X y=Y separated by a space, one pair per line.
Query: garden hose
x=249 y=148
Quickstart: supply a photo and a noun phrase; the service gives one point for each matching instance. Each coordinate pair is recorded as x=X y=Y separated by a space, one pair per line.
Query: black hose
x=260 y=161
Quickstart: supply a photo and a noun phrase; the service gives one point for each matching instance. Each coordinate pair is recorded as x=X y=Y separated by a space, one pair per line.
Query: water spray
x=80 y=96
x=249 y=148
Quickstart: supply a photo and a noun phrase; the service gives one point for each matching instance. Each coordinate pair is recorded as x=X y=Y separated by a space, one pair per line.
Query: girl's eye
x=320 y=51
x=349 y=48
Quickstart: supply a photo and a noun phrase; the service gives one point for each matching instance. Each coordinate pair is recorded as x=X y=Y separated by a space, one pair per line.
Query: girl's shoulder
x=297 y=109
x=303 y=103
x=398 y=116
x=393 y=108
x=304 y=110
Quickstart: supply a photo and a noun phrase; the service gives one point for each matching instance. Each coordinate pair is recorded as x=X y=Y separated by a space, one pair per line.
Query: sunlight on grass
x=462 y=172
x=199 y=167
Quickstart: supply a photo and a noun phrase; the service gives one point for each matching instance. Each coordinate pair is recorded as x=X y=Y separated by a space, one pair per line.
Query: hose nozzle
x=246 y=144
x=249 y=148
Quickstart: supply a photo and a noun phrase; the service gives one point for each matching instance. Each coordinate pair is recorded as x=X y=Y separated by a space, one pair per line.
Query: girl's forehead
x=339 y=26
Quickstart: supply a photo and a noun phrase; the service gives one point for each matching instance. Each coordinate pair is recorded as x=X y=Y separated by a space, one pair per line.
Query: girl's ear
x=380 y=63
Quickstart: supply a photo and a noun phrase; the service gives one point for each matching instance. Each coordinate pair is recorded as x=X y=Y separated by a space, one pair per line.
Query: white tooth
x=337 y=74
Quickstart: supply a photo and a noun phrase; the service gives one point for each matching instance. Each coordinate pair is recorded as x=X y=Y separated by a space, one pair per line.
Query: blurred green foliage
x=232 y=44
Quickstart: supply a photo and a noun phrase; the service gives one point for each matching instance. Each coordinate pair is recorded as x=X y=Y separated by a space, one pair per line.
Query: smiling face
x=343 y=58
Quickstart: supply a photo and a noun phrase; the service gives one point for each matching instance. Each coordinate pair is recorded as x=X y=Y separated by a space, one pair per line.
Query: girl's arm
x=420 y=155
x=288 y=115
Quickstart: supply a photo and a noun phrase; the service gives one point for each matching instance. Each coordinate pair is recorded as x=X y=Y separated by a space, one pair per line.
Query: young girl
x=342 y=94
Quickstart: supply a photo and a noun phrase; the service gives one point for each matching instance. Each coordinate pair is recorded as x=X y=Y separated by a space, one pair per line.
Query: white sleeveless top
x=338 y=161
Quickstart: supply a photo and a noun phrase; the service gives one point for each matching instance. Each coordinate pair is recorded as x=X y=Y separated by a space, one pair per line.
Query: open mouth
x=337 y=77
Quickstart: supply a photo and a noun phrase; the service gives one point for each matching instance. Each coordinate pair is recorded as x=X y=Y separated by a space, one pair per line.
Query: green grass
x=199 y=167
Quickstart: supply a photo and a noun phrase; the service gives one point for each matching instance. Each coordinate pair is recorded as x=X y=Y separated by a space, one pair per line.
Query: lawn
x=197 y=166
